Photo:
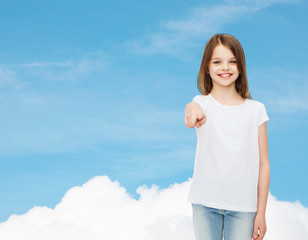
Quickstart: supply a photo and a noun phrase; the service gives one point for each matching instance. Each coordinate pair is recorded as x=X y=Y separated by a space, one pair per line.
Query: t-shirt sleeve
x=262 y=115
x=199 y=99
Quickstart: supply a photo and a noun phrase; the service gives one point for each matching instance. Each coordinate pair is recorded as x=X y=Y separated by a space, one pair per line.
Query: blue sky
x=91 y=88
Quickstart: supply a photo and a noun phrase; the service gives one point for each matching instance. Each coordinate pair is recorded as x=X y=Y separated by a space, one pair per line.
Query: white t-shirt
x=226 y=168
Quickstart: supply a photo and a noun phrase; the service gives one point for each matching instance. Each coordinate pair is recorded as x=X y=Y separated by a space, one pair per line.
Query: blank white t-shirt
x=226 y=170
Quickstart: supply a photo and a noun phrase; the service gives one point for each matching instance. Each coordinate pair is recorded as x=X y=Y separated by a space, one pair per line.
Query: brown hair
x=204 y=83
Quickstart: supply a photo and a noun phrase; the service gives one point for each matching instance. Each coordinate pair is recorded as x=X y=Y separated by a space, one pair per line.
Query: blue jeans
x=214 y=224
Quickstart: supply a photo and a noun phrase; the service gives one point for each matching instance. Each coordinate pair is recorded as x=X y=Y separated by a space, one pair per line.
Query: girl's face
x=223 y=68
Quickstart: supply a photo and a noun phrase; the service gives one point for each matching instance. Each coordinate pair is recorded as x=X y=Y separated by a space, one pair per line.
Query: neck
x=225 y=94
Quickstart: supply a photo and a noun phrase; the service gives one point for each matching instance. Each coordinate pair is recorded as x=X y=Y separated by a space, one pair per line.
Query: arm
x=194 y=115
x=264 y=181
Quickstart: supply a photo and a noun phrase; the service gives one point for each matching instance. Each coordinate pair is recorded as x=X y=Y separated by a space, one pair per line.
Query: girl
x=231 y=177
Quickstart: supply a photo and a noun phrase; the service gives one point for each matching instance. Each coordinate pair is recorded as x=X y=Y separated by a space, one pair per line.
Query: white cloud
x=17 y=76
x=177 y=37
x=69 y=70
x=38 y=108
x=284 y=91
x=259 y=4
x=8 y=78
x=102 y=209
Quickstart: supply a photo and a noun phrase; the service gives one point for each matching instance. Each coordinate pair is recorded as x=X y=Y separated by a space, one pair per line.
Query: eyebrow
x=220 y=58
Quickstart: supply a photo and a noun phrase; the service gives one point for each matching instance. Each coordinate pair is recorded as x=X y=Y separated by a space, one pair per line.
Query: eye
x=233 y=61
x=216 y=62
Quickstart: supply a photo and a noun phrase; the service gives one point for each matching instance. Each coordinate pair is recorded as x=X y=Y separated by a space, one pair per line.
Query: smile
x=225 y=75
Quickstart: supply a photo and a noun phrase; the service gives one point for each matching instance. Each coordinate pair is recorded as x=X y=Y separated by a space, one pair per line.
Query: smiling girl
x=230 y=183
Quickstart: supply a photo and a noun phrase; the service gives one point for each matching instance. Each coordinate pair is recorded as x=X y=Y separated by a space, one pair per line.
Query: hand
x=194 y=117
x=260 y=225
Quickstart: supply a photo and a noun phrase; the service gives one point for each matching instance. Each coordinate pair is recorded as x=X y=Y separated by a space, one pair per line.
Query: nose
x=225 y=66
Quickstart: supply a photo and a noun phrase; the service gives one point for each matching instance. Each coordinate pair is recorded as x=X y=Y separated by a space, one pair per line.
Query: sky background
x=92 y=88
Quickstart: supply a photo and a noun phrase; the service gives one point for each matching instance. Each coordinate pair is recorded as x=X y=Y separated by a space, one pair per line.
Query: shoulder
x=202 y=100
x=202 y=97
x=259 y=111
x=255 y=104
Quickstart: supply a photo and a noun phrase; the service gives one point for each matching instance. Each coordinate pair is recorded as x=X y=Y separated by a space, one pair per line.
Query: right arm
x=194 y=115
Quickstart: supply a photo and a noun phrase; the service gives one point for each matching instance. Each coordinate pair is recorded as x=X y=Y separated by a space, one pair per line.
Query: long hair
x=205 y=83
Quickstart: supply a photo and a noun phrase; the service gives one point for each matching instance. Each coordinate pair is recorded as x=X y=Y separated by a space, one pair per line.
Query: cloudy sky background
x=98 y=88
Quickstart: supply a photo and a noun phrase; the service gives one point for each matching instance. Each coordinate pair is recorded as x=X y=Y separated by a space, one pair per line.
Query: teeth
x=225 y=75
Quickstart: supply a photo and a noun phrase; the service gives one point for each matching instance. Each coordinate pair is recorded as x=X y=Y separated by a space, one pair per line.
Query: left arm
x=264 y=181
